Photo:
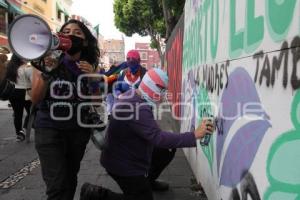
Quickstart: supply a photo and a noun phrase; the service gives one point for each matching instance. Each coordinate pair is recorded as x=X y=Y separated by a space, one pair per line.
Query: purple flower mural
x=246 y=140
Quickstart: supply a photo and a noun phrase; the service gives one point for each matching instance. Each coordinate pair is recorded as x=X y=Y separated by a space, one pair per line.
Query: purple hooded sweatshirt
x=131 y=138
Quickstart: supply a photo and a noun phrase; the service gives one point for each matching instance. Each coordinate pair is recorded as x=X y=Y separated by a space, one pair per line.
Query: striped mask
x=153 y=86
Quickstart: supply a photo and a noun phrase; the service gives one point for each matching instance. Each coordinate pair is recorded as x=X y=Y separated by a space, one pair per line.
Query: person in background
x=112 y=76
x=101 y=70
x=2 y=70
x=131 y=75
x=130 y=142
x=6 y=87
x=60 y=139
x=20 y=73
x=3 y=62
x=3 y=58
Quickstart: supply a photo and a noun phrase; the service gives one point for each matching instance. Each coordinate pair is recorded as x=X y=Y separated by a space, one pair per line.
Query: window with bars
x=144 y=56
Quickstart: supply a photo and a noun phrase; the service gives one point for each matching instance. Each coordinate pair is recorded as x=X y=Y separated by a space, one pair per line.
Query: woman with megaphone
x=60 y=139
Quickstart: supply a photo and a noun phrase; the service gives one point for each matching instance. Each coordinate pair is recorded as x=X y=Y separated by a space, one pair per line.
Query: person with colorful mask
x=130 y=78
x=132 y=135
x=123 y=77
x=60 y=138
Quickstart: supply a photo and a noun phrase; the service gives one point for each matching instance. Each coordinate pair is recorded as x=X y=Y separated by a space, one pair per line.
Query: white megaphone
x=30 y=38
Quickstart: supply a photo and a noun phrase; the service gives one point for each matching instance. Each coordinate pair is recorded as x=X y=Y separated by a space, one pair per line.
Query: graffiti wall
x=241 y=64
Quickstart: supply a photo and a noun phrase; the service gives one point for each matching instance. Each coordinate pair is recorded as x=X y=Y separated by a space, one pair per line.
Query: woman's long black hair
x=91 y=53
x=12 y=68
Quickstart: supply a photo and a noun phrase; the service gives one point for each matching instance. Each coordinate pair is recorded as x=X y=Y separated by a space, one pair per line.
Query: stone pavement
x=4 y=105
x=178 y=174
x=27 y=184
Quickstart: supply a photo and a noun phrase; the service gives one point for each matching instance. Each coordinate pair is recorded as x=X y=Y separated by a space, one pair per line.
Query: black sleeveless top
x=62 y=107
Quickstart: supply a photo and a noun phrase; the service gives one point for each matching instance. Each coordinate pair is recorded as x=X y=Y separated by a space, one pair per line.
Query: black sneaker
x=20 y=136
x=159 y=186
x=91 y=192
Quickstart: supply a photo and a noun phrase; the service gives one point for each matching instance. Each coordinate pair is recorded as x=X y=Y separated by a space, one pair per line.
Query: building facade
x=149 y=57
x=114 y=51
x=54 y=12
x=101 y=47
x=9 y=9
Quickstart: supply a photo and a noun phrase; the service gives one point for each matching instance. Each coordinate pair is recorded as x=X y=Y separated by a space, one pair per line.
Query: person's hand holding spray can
x=204 y=131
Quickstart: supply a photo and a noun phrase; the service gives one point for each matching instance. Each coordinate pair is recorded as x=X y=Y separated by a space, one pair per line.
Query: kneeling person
x=132 y=135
